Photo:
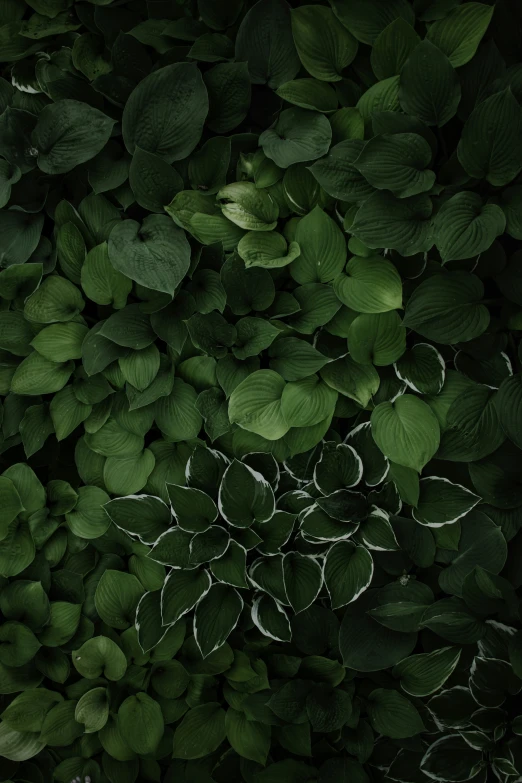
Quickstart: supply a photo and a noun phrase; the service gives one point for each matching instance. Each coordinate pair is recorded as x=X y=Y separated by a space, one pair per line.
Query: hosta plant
x=260 y=367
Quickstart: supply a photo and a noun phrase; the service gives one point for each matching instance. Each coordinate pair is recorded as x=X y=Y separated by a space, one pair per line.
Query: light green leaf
x=323 y=249
x=100 y=656
x=377 y=338
x=356 y=381
x=370 y=285
x=248 y=207
x=307 y=402
x=255 y=404
x=406 y=431
x=268 y=250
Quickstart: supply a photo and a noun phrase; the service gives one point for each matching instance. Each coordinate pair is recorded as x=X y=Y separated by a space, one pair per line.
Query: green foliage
x=261 y=391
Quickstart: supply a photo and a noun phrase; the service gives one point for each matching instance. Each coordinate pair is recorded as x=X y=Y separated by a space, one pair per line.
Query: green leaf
x=140 y=721
x=401 y=224
x=370 y=285
x=307 y=402
x=309 y=94
x=451 y=758
x=422 y=369
x=19 y=745
x=490 y=143
x=201 y=732
x=55 y=300
x=248 y=207
x=397 y=162
x=441 y=502
x=68 y=133
x=392 y=48
x=93 y=710
x=215 y=617
x=302 y=578
x=324 y=46
x=337 y=174
x=194 y=510
x=249 y=738
x=245 y=496
x=323 y=249
x=10 y=502
x=465 y=227
x=264 y=41
x=406 y=431
x=356 y=381
x=145 y=252
x=429 y=85
x=423 y=674
x=365 y=21
x=153 y=183
x=365 y=644
x=255 y=404
x=268 y=250
x=348 y=571
x=459 y=33
x=269 y=616
x=228 y=86
x=208 y=166
x=446 y=308
x=116 y=598
x=181 y=592
x=298 y=135
x=100 y=656
x=166 y=111
x=481 y=544
x=393 y=715
x=37 y=375
x=509 y=409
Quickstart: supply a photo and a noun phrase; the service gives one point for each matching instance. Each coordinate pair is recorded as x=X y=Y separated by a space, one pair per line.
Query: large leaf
x=324 y=46
x=465 y=227
x=401 y=224
x=166 y=112
x=429 y=85
x=397 y=162
x=459 y=33
x=406 y=431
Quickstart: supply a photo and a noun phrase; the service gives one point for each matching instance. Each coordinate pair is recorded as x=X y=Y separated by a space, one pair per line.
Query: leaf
x=10 y=502
x=370 y=285
x=490 y=143
x=406 y=431
x=255 y=405
x=422 y=369
x=268 y=250
x=324 y=46
x=392 y=48
x=93 y=710
x=397 y=162
x=165 y=113
x=356 y=381
x=264 y=41
x=68 y=133
x=181 y=592
x=153 y=183
x=143 y=516
x=37 y=375
x=144 y=253
x=201 y=732
x=401 y=224
x=19 y=745
x=116 y=598
x=348 y=571
x=459 y=33
x=441 y=502
x=429 y=85
x=269 y=616
x=481 y=544
x=141 y=722
x=446 y=308
x=365 y=644
x=294 y=359
x=249 y=738
x=508 y=404
x=309 y=94
x=451 y=758
x=298 y=135
x=248 y=207
x=323 y=253
x=216 y=617
x=367 y=21
x=423 y=674
x=393 y=715
x=245 y=496
x=465 y=227
x=302 y=580
x=337 y=174
x=228 y=86
x=307 y=402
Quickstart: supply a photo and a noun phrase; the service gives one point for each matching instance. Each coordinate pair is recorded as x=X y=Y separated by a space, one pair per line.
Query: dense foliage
x=261 y=450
